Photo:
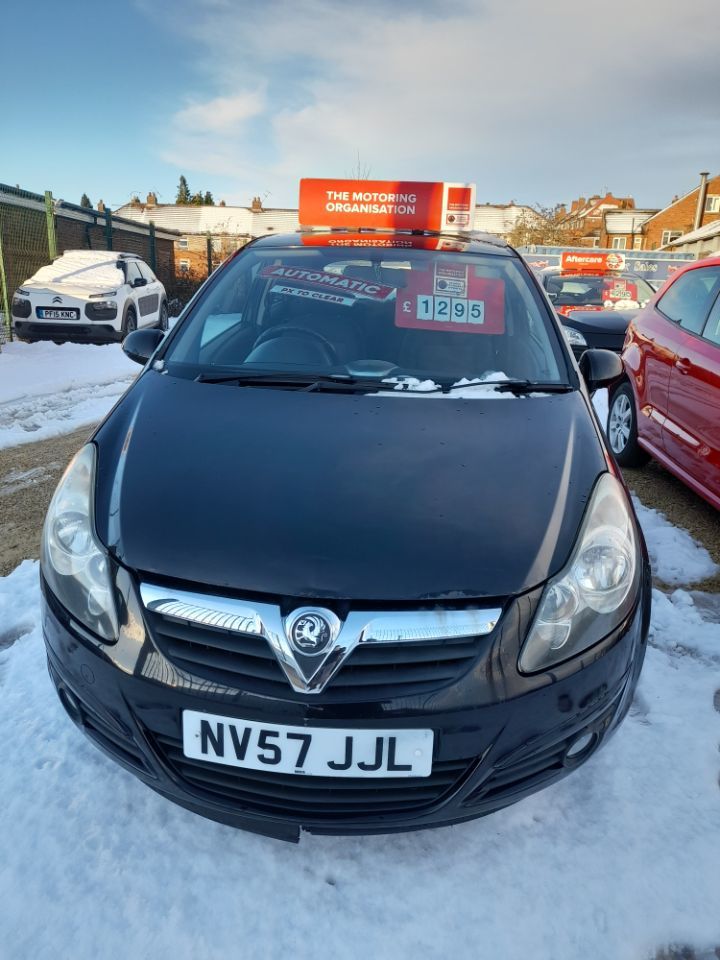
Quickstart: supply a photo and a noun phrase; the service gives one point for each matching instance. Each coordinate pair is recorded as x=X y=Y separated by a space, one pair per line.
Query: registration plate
x=309 y=751
x=50 y=313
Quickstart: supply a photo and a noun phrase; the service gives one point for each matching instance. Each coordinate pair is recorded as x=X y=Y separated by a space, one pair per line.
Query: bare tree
x=361 y=170
x=546 y=226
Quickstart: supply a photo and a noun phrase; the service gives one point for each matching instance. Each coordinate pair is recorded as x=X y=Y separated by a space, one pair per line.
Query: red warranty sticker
x=453 y=299
x=333 y=282
x=619 y=289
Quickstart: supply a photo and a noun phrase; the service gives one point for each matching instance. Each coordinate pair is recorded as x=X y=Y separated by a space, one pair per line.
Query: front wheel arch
x=622 y=426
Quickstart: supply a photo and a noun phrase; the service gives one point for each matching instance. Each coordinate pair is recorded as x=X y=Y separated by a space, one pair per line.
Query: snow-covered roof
x=500 y=219
x=83 y=268
x=626 y=221
x=235 y=221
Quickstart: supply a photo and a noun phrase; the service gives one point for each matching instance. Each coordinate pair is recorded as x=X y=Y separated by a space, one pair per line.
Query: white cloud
x=221 y=115
x=531 y=101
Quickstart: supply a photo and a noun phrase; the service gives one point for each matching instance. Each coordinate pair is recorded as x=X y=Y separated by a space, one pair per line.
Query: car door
x=662 y=333
x=150 y=295
x=693 y=422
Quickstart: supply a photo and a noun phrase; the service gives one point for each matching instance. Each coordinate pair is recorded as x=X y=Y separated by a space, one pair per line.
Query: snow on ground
x=600 y=402
x=47 y=389
x=615 y=861
x=675 y=557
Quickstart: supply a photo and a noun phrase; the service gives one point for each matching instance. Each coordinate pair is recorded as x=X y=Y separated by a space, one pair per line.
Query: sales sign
x=452 y=299
x=591 y=262
x=387 y=204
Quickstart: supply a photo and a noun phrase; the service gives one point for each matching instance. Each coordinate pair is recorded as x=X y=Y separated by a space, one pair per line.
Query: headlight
x=574 y=337
x=597 y=588
x=104 y=305
x=74 y=562
x=95 y=296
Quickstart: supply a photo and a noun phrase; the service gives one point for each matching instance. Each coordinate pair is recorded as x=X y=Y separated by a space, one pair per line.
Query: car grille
x=291 y=795
x=372 y=671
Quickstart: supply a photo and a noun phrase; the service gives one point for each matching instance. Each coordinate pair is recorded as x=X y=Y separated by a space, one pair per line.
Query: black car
x=600 y=329
x=351 y=554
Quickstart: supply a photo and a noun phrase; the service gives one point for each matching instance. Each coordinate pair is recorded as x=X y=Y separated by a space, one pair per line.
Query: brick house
x=690 y=212
x=623 y=229
x=209 y=234
x=585 y=218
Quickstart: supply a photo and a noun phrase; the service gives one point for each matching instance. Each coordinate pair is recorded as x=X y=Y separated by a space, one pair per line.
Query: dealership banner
x=387 y=204
x=645 y=263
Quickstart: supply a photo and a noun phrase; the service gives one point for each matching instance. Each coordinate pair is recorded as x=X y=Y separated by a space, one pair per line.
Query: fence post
x=208 y=247
x=5 y=302
x=108 y=228
x=153 y=248
x=50 y=215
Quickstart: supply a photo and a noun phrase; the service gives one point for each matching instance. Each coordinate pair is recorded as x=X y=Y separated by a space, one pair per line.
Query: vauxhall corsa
x=351 y=555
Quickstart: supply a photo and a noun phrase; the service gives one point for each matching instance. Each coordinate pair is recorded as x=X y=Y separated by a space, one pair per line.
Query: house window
x=594 y=241
x=712 y=203
x=668 y=236
x=618 y=243
x=182 y=243
x=184 y=265
x=637 y=243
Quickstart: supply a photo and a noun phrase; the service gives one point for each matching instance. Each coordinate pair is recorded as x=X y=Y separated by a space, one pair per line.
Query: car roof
x=696 y=265
x=558 y=271
x=477 y=243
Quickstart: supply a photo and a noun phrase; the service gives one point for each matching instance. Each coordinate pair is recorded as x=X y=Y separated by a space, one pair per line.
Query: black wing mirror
x=139 y=282
x=140 y=345
x=600 y=368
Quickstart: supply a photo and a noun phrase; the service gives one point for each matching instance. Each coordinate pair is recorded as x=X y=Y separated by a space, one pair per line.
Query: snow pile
x=615 y=861
x=675 y=557
x=600 y=402
x=93 y=269
x=46 y=389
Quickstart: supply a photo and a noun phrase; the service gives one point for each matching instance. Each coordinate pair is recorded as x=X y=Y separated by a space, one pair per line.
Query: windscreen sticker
x=619 y=288
x=325 y=295
x=453 y=299
x=334 y=282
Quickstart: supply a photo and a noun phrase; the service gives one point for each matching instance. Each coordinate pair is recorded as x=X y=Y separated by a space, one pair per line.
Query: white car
x=89 y=296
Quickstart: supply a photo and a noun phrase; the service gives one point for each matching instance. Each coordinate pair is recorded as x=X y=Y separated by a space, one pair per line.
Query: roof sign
x=591 y=262
x=386 y=204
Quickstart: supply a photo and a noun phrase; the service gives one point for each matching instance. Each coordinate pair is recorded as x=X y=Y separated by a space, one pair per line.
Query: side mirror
x=600 y=368
x=140 y=345
x=139 y=282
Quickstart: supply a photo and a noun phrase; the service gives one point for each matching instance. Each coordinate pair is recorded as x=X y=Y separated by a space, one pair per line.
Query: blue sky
x=533 y=102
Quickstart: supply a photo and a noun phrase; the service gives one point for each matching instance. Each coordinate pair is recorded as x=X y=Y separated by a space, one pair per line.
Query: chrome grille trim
x=360 y=627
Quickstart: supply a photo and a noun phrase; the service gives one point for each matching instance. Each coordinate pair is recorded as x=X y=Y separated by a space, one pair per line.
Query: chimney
x=702 y=197
x=256 y=206
x=100 y=207
x=561 y=211
x=151 y=200
x=222 y=203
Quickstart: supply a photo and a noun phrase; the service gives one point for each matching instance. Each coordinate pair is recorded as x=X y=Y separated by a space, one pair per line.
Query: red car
x=668 y=405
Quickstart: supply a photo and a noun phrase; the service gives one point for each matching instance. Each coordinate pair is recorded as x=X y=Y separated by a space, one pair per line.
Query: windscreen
x=370 y=312
x=598 y=291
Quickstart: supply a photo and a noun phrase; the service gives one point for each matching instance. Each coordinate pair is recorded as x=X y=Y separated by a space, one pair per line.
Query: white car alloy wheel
x=620 y=422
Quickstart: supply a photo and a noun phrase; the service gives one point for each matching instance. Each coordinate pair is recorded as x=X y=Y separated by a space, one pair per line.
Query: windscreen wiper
x=528 y=386
x=340 y=383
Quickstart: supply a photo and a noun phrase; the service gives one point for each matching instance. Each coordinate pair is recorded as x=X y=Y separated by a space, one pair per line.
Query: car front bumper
x=496 y=741
x=77 y=332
